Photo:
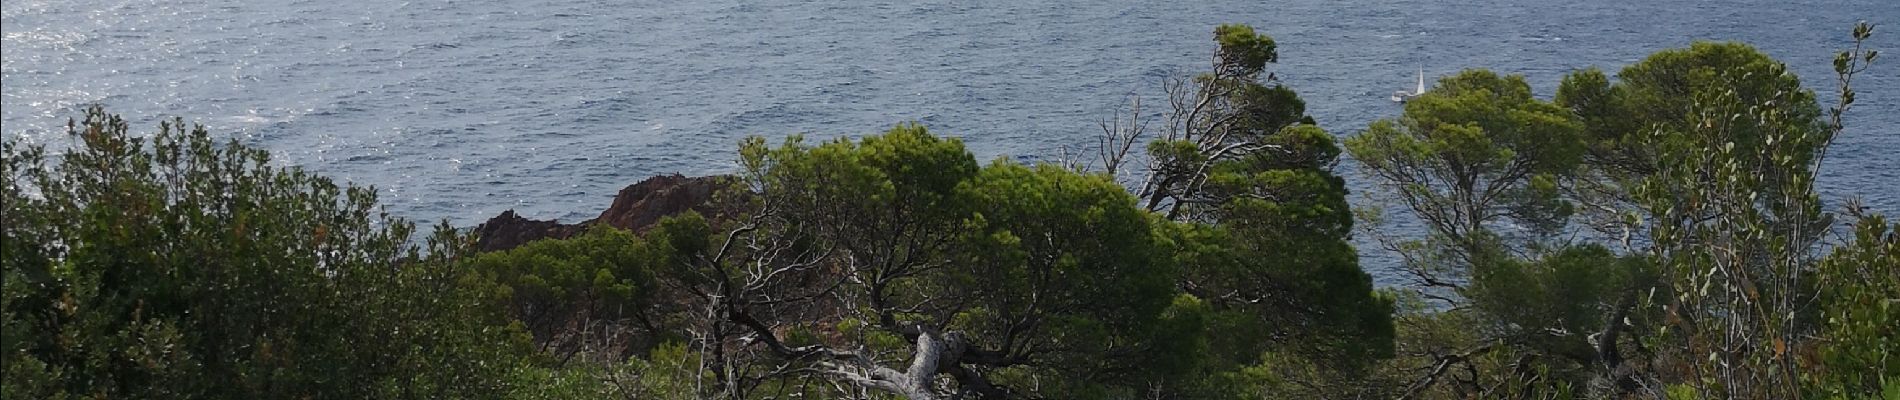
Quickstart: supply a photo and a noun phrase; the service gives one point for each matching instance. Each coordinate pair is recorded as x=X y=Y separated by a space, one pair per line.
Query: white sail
x=1401 y=96
x=1421 y=82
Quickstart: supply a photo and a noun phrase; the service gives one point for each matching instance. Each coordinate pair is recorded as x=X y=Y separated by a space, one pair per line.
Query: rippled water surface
x=462 y=109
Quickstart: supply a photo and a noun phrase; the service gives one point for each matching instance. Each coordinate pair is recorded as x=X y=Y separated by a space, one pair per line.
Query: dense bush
x=175 y=267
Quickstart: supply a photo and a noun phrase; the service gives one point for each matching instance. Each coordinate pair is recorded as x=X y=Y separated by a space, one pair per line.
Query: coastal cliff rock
x=510 y=230
x=643 y=204
x=637 y=208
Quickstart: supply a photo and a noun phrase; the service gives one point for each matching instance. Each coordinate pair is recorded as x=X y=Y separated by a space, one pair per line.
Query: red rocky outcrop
x=637 y=208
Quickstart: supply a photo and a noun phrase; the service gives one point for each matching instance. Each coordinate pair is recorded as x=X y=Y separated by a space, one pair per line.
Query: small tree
x=1709 y=155
x=1478 y=160
x=1475 y=153
x=1257 y=220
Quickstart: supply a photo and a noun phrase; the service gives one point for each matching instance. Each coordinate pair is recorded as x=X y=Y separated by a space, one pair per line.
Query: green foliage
x=174 y=267
x=1733 y=212
x=1664 y=105
x=1251 y=211
x=1476 y=151
x=1285 y=294
x=1551 y=304
x=1701 y=159
x=906 y=167
x=1714 y=107
x=1708 y=155
x=570 y=294
x=1054 y=270
x=1479 y=160
x=1247 y=52
x=1860 y=306
x=1075 y=241
x=1230 y=122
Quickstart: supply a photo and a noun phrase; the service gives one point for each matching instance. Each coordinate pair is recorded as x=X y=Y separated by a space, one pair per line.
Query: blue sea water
x=463 y=109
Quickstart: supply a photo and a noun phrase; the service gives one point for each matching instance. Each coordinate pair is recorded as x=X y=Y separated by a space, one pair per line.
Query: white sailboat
x=1401 y=96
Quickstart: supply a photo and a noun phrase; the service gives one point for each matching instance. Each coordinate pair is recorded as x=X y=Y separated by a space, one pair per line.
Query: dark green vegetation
x=174 y=267
x=1652 y=235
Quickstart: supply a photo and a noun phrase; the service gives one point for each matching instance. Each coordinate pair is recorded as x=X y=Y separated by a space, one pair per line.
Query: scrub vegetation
x=1652 y=233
